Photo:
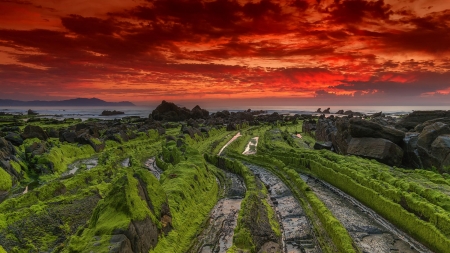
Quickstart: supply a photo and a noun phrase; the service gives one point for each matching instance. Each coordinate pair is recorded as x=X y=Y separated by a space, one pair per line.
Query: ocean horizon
x=83 y=112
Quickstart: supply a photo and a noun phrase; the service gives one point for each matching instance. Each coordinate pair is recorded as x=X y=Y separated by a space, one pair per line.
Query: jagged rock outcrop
x=380 y=149
x=415 y=118
x=199 y=113
x=170 y=112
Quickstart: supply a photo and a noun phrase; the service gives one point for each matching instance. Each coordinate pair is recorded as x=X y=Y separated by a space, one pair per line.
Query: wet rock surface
x=80 y=164
x=370 y=232
x=250 y=149
x=218 y=233
x=150 y=164
x=296 y=229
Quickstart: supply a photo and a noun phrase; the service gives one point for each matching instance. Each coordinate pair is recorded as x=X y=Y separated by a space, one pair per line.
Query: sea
x=87 y=112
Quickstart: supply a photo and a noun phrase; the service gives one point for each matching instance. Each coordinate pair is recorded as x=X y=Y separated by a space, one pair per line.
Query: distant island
x=69 y=102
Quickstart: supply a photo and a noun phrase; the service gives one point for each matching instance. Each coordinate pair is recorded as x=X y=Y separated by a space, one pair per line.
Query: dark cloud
x=354 y=11
x=89 y=25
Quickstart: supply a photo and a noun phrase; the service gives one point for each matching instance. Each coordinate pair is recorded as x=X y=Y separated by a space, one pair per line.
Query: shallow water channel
x=217 y=235
x=370 y=232
x=297 y=233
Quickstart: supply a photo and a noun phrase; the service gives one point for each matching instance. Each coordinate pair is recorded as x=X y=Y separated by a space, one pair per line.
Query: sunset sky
x=385 y=52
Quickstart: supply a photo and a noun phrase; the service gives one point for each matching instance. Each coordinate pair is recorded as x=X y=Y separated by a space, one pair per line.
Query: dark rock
x=411 y=156
x=232 y=127
x=199 y=113
x=52 y=133
x=340 y=112
x=341 y=137
x=425 y=142
x=360 y=128
x=440 y=151
x=31 y=112
x=14 y=138
x=309 y=126
x=191 y=131
x=420 y=127
x=415 y=118
x=111 y=113
x=68 y=136
x=34 y=132
x=382 y=150
x=327 y=111
x=170 y=112
x=191 y=122
x=378 y=114
x=326 y=145
x=319 y=110
x=325 y=128
x=14 y=129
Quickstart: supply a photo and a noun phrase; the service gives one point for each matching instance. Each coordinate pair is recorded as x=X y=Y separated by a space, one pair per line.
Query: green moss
x=191 y=191
x=122 y=205
x=16 y=166
x=2 y=250
x=5 y=180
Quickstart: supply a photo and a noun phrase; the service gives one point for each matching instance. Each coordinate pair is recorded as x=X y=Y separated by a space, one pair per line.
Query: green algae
x=192 y=192
x=5 y=180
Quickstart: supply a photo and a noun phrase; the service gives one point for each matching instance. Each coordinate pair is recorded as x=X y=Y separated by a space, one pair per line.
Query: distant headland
x=69 y=102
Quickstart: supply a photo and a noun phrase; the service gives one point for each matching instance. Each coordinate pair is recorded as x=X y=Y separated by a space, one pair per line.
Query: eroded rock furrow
x=217 y=236
x=297 y=233
x=370 y=232
x=250 y=149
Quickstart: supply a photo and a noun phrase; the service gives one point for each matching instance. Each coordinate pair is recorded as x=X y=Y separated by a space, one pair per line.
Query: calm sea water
x=143 y=111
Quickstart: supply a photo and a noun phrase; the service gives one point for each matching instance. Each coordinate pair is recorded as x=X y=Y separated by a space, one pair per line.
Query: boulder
x=68 y=136
x=440 y=151
x=52 y=133
x=360 y=128
x=326 y=111
x=14 y=138
x=430 y=133
x=415 y=118
x=340 y=112
x=379 y=149
x=420 y=127
x=34 y=132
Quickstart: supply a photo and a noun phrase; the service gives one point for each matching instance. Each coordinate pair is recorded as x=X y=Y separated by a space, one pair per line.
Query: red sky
x=272 y=51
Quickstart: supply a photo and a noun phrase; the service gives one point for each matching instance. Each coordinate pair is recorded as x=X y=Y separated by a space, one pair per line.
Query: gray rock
x=360 y=128
x=415 y=118
x=379 y=149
